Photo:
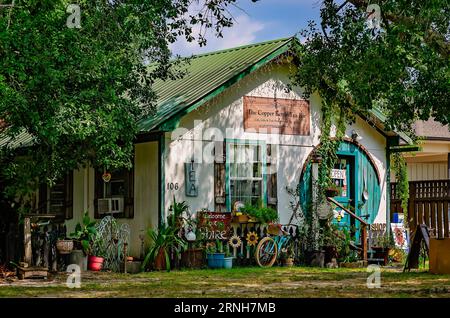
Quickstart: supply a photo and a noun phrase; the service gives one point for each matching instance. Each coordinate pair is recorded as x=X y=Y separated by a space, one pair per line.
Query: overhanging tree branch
x=433 y=38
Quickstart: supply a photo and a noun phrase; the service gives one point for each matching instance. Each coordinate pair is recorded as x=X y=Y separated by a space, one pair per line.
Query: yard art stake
x=374 y=279
x=74 y=279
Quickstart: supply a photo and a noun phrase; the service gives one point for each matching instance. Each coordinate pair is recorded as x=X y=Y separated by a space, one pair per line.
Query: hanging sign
x=339 y=174
x=191 y=179
x=284 y=116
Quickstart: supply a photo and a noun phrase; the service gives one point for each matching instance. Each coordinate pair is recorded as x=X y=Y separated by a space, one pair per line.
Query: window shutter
x=42 y=206
x=69 y=196
x=129 y=194
x=219 y=176
x=98 y=192
x=272 y=193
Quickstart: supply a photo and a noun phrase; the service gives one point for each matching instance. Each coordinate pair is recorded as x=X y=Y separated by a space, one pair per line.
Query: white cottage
x=229 y=131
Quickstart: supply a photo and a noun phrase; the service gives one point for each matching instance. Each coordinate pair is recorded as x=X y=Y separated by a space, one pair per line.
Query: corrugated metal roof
x=23 y=139
x=205 y=74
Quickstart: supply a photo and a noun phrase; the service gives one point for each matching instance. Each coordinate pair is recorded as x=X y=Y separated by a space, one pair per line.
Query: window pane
x=116 y=186
x=247 y=191
x=245 y=161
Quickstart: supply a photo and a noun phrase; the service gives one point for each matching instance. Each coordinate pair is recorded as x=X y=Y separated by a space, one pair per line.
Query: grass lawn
x=237 y=282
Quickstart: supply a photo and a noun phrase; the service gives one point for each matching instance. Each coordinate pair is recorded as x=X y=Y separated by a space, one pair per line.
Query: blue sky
x=258 y=22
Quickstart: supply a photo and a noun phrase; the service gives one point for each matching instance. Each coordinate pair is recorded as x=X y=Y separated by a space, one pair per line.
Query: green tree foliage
x=401 y=68
x=79 y=92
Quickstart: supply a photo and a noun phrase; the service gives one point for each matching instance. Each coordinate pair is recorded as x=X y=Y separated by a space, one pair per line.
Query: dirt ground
x=237 y=282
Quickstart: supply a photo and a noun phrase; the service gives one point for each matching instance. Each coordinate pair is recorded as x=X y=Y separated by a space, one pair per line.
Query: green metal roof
x=206 y=76
x=23 y=139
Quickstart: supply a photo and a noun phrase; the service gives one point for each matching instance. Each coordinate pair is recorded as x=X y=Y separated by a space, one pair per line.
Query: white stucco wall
x=225 y=114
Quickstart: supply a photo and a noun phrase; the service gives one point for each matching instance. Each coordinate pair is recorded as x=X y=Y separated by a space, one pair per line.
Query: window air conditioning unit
x=110 y=205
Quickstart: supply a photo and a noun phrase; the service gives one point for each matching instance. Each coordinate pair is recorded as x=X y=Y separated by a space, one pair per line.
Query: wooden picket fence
x=429 y=204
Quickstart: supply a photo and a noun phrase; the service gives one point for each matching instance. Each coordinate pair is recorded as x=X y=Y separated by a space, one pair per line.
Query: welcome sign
x=287 y=116
x=215 y=225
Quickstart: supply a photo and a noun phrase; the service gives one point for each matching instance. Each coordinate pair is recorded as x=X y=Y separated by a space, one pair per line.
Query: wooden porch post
x=27 y=241
x=364 y=241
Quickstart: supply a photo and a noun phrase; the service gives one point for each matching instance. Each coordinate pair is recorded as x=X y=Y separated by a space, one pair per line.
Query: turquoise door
x=357 y=180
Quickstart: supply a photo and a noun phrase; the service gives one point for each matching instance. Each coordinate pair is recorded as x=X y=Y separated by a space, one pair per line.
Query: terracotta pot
x=160 y=261
x=287 y=262
x=95 y=263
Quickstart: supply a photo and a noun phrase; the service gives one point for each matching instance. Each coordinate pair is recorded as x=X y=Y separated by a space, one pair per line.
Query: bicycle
x=268 y=249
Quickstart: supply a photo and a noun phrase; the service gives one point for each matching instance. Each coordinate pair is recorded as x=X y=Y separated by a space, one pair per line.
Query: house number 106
x=172 y=186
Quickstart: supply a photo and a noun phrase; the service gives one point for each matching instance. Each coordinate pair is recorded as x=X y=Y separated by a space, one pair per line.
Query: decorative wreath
x=252 y=238
x=235 y=241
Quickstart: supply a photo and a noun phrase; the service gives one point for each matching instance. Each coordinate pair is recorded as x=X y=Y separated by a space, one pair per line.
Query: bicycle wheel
x=266 y=252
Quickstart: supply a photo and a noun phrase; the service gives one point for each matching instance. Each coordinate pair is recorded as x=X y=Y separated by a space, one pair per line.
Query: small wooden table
x=32 y=272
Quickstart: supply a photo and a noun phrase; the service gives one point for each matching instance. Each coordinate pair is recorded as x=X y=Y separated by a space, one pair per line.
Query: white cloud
x=242 y=32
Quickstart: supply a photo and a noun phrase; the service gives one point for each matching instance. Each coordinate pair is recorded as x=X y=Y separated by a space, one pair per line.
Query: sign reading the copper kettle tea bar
x=270 y=115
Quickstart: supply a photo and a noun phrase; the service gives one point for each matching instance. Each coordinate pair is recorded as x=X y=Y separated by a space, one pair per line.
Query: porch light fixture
x=356 y=136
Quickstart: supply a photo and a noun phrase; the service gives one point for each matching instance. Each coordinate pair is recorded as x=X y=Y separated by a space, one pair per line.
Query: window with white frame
x=246 y=176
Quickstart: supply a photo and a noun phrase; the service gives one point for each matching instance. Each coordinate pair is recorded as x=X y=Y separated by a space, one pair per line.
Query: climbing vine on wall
x=398 y=166
x=329 y=146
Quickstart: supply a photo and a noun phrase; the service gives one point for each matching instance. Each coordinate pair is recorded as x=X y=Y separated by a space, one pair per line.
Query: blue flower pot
x=215 y=260
x=228 y=262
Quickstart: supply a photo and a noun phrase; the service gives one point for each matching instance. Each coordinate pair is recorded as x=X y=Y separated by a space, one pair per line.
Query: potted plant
x=97 y=255
x=262 y=214
x=193 y=256
x=176 y=217
x=287 y=256
x=383 y=247
x=331 y=240
x=215 y=254
x=164 y=240
x=83 y=236
x=64 y=246
x=331 y=191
